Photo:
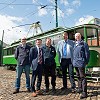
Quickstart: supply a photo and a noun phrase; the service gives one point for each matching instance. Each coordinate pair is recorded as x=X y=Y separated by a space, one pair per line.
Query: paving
x=7 y=82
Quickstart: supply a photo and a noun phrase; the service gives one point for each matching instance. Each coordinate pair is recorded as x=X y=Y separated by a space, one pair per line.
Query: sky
x=16 y=16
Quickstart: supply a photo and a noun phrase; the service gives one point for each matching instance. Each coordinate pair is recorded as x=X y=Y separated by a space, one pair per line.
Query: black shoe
x=47 y=90
x=53 y=89
x=16 y=91
x=63 y=88
x=84 y=95
x=28 y=90
x=73 y=90
x=79 y=90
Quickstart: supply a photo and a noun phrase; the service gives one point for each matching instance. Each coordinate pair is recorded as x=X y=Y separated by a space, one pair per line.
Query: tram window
x=56 y=39
x=71 y=35
x=92 y=37
x=9 y=51
x=99 y=36
x=5 y=52
x=13 y=50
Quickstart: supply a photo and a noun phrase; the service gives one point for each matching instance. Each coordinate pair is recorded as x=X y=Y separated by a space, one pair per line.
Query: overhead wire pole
x=56 y=13
x=1 y=63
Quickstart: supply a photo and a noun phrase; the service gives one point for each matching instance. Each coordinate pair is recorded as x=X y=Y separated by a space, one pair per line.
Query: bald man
x=65 y=54
x=80 y=60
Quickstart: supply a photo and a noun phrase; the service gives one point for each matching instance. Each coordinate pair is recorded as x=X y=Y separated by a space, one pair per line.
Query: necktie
x=40 y=56
x=65 y=49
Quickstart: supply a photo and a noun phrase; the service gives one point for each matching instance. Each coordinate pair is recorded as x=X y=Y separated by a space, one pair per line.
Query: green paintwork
x=57 y=60
x=9 y=60
x=94 y=59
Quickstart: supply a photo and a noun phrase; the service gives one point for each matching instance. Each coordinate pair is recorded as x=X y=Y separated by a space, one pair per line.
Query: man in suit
x=49 y=53
x=65 y=53
x=80 y=60
x=36 y=60
x=22 y=57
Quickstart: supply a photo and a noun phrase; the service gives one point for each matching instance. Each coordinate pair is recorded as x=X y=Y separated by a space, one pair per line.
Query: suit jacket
x=60 y=48
x=33 y=57
x=81 y=54
x=22 y=55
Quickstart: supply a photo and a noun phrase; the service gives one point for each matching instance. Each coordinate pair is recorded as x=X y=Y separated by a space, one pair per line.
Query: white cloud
x=52 y=1
x=34 y=1
x=42 y=11
x=65 y=2
x=11 y=34
x=76 y=3
x=84 y=20
x=60 y=13
x=70 y=11
x=11 y=7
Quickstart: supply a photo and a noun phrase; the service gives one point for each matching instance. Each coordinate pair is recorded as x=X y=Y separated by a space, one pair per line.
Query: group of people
x=42 y=60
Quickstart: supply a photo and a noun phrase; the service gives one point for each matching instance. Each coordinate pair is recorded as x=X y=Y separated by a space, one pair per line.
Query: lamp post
x=1 y=63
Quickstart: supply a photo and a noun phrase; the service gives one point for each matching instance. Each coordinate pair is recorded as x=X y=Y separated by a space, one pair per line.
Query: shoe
x=53 y=89
x=79 y=90
x=63 y=88
x=84 y=95
x=34 y=94
x=16 y=91
x=28 y=90
x=73 y=90
x=39 y=92
x=47 y=90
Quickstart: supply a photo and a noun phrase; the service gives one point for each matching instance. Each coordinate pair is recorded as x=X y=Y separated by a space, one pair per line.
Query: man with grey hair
x=80 y=60
x=22 y=57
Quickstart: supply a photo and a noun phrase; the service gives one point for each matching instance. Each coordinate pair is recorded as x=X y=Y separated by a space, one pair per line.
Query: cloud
x=84 y=20
x=76 y=3
x=70 y=11
x=42 y=11
x=65 y=2
x=11 y=34
x=11 y=7
x=34 y=1
x=60 y=13
x=52 y=1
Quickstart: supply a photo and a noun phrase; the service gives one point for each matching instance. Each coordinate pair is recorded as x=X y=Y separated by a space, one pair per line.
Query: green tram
x=90 y=34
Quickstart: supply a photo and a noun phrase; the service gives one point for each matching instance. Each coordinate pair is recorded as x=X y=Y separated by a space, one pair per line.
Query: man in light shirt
x=65 y=53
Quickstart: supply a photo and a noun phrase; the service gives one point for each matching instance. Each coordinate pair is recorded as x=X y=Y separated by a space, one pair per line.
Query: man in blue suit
x=22 y=57
x=65 y=53
x=36 y=60
x=80 y=60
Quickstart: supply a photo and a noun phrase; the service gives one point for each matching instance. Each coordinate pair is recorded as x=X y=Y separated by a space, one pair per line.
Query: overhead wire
x=18 y=4
x=32 y=13
x=7 y=5
x=62 y=16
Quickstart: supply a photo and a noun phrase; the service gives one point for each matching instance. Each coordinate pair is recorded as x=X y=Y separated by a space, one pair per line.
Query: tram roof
x=58 y=29
x=84 y=26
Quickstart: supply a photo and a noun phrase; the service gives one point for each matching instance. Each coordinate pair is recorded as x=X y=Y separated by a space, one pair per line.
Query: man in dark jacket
x=22 y=57
x=36 y=60
x=49 y=53
x=80 y=60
